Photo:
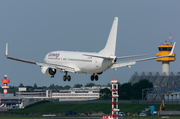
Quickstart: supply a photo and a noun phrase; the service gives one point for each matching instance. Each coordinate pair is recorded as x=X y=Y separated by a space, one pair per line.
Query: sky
x=33 y=28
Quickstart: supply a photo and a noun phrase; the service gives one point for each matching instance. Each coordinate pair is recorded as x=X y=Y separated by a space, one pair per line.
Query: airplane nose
x=45 y=59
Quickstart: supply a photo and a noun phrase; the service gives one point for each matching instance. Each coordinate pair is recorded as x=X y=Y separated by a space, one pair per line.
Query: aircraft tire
x=64 y=78
x=96 y=77
x=92 y=77
x=69 y=78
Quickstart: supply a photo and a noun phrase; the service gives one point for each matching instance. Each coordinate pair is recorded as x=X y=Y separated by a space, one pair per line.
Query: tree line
x=14 y=89
x=127 y=91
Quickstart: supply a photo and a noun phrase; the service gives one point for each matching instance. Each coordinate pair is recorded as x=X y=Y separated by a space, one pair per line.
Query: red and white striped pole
x=114 y=95
x=117 y=98
x=112 y=99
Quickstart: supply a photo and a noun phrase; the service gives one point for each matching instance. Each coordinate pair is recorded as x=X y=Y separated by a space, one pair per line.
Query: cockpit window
x=165 y=48
x=169 y=48
x=160 y=48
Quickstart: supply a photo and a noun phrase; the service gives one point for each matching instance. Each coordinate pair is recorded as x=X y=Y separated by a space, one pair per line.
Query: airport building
x=73 y=94
x=78 y=94
x=26 y=96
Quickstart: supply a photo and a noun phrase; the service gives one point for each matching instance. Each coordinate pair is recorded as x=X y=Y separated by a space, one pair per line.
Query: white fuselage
x=80 y=62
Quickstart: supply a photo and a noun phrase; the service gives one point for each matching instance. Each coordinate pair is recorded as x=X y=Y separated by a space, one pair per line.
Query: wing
x=54 y=66
x=124 y=57
x=112 y=57
x=128 y=63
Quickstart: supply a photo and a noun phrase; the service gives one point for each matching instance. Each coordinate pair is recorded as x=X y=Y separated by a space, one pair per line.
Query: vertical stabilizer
x=109 y=49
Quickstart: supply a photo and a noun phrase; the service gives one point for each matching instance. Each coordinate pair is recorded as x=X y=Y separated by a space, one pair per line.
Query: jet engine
x=48 y=71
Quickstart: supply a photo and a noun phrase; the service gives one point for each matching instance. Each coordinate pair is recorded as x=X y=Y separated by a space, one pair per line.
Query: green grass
x=137 y=117
x=19 y=118
x=49 y=107
x=150 y=117
x=46 y=107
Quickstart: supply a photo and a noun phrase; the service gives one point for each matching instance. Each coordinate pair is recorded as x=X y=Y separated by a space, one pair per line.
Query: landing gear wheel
x=92 y=77
x=96 y=77
x=69 y=78
x=64 y=78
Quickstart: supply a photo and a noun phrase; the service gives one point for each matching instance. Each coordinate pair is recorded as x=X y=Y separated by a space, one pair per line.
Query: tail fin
x=110 y=47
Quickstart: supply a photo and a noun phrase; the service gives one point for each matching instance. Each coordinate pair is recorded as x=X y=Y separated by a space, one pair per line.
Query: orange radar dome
x=165 y=49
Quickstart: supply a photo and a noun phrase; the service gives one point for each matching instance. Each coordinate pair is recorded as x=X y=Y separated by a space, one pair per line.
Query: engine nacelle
x=48 y=71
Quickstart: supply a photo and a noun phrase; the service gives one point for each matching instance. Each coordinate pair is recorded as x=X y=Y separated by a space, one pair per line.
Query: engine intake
x=48 y=71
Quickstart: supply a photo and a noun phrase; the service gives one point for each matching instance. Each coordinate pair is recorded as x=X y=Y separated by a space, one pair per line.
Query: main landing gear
x=94 y=77
x=66 y=77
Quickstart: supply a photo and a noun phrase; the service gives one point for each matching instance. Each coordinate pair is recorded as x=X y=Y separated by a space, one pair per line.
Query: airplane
x=85 y=62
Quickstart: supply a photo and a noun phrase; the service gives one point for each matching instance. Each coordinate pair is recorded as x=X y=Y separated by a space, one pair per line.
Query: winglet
x=172 y=49
x=6 y=52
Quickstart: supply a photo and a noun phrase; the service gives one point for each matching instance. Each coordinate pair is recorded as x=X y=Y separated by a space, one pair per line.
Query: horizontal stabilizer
x=100 y=56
